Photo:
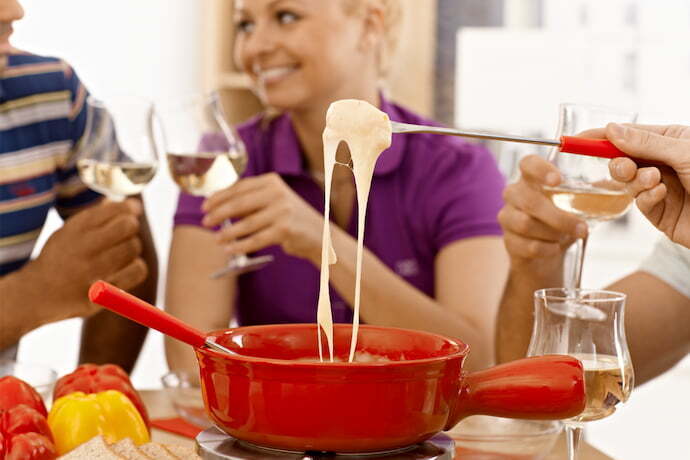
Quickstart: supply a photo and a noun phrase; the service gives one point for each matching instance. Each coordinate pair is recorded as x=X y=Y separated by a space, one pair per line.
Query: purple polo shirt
x=427 y=192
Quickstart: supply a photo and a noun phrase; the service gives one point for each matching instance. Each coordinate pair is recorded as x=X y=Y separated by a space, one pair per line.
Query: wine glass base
x=242 y=265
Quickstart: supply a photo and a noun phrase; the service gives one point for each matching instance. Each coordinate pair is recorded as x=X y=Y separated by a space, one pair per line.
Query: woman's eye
x=286 y=17
x=244 y=26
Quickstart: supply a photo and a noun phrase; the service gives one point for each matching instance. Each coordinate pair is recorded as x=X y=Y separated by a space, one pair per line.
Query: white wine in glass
x=202 y=174
x=588 y=325
x=205 y=155
x=116 y=180
x=591 y=202
x=587 y=190
x=118 y=154
x=607 y=384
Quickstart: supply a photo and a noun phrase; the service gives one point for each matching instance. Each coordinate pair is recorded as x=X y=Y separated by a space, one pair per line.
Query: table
x=159 y=406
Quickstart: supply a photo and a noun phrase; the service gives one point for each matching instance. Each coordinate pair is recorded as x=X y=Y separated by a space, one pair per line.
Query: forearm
x=181 y=358
x=388 y=300
x=110 y=338
x=191 y=295
x=515 y=317
x=23 y=307
x=657 y=324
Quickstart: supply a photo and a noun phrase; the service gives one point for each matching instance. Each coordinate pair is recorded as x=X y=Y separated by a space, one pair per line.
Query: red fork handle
x=599 y=148
x=593 y=147
x=129 y=306
x=543 y=387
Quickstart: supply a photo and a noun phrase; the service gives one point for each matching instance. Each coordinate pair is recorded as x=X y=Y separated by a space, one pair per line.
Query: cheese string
x=367 y=131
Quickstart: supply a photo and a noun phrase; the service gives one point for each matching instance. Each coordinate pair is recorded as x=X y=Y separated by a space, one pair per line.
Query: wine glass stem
x=235 y=260
x=573 y=434
x=578 y=262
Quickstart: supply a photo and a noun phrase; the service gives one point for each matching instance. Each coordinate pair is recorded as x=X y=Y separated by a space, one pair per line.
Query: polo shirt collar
x=287 y=152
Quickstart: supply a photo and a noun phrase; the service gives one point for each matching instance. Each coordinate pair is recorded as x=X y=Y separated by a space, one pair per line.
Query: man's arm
x=109 y=338
x=23 y=306
x=98 y=243
x=515 y=317
x=657 y=324
x=657 y=319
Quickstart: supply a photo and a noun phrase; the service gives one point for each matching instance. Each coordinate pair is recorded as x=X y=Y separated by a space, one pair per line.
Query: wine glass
x=587 y=190
x=118 y=153
x=589 y=325
x=206 y=155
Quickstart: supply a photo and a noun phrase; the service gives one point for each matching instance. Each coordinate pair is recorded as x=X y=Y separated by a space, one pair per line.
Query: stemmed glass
x=589 y=325
x=206 y=155
x=587 y=190
x=118 y=153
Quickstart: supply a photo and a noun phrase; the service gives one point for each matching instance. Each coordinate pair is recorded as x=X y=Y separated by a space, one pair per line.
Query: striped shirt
x=42 y=118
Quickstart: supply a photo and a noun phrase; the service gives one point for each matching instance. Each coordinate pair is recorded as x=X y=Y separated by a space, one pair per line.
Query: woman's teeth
x=275 y=73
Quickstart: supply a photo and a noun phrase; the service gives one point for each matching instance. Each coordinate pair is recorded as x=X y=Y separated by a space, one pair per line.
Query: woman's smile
x=272 y=75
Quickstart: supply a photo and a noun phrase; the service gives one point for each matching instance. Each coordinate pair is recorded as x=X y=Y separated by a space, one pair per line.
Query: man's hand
x=536 y=232
x=663 y=194
x=100 y=242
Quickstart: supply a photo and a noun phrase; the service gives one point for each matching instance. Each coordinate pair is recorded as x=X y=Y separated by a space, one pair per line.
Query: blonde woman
x=434 y=258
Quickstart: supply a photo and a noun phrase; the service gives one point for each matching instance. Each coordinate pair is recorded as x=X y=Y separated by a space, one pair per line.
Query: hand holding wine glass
x=589 y=325
x=118 y=154
x=587 y=188
x=205 y=155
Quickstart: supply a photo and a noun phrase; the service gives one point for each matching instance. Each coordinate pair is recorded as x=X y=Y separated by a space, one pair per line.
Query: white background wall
x=144 y=47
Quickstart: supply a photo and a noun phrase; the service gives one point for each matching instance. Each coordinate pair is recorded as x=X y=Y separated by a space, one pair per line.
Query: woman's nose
x=261 y=41
x=10 y=10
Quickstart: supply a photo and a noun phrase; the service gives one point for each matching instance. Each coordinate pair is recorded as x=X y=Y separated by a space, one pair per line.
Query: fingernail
x=204 y=206
x=229 y=249
x=581 y=230
x=618 y=131
x=647 y=176
x=617 y=168
x=206 y=221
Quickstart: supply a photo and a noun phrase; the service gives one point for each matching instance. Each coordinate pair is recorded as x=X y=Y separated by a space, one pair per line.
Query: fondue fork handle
x=547 y=387
x=131 y=307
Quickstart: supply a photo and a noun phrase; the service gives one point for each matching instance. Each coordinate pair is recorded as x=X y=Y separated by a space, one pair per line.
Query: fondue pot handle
x=543 y=387
x=129 y=306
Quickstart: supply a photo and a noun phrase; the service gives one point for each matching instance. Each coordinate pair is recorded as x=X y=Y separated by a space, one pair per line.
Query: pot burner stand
x=213 y=444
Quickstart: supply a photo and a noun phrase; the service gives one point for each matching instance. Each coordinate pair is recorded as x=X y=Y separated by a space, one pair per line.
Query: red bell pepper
x=24 y=432
x=91 y=378
x=14 y=392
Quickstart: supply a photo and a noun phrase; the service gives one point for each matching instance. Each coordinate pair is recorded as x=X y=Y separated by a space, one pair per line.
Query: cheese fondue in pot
x=367 y=131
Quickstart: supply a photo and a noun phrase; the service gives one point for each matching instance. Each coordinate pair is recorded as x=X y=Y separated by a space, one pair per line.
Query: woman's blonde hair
x=392 y=16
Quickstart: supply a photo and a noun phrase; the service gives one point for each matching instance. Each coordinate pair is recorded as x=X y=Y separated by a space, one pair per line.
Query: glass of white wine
x=587 y=190
x=206 y=155
x=589 y=325
x=118 y=154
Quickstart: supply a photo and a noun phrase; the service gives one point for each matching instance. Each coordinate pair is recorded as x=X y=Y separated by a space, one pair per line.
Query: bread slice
x=127 y=449
x=94 y=449
x=186 y=453
x=157 y=451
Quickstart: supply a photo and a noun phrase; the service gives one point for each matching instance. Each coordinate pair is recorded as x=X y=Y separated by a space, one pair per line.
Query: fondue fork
x=568 y=144
x=131 y=307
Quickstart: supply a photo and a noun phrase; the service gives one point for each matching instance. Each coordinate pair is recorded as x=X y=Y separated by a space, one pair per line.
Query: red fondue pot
x=259 y=393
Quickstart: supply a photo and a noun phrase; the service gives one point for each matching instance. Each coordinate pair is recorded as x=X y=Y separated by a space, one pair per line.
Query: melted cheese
x=367 y=131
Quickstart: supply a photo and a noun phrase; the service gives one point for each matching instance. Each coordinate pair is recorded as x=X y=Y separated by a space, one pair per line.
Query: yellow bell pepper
x=78 y=417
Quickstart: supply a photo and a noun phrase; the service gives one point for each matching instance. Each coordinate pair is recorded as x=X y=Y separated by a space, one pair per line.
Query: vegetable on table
x=24 y=432
x=92 y=378
x=78 y=417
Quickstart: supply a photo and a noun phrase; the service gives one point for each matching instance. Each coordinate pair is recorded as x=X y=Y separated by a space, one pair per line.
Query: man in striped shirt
x=42 y=119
